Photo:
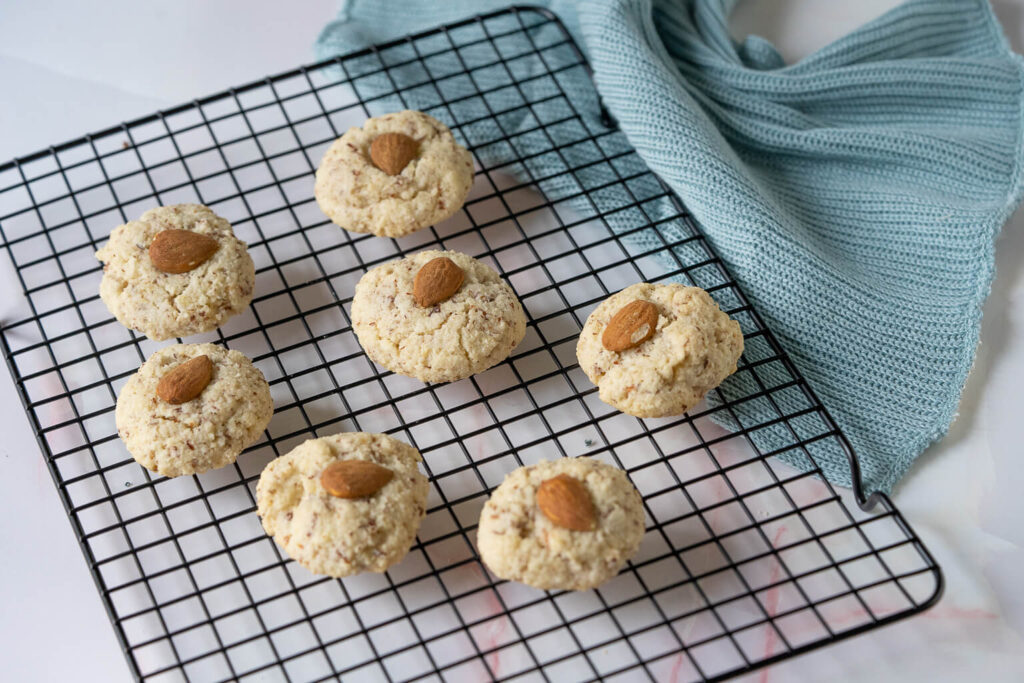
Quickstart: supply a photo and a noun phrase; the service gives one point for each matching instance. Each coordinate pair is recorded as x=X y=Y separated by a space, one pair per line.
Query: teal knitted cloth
x=856 y=195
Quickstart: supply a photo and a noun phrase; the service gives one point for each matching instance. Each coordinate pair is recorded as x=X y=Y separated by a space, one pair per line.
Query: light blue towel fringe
x=856 y=195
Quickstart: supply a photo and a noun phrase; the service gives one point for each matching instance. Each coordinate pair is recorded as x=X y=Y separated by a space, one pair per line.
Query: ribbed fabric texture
x=856 y=195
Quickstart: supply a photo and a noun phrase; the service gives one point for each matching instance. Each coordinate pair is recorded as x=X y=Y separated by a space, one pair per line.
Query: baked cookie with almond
x=344 y=504
x=177 y=270
x=656 y=350
x=398 y=173
x=570 y=524
x=438 y=316
x=192 y=408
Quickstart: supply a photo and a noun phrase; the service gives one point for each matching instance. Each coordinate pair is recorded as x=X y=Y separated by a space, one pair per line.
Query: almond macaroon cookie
x=656 y=350
x=344 y=504
x=177 y=270
x=398 y=173
x=438 y=316
x=570 y=524
x=192 y=408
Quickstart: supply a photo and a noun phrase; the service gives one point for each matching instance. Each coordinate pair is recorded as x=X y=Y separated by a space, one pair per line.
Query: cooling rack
x=750 y=555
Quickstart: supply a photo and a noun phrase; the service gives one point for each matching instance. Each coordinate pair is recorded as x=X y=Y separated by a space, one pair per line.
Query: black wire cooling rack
x=747 y=560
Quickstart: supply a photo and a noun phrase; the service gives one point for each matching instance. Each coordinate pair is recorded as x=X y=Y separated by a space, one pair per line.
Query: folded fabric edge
x=972 y=337
x=902 y=456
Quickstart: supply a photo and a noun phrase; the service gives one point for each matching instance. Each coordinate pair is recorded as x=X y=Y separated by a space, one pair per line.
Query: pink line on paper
x=677 y=667
x=772 y=600
x=494 y=630
x=952 y=612
x=54 y=412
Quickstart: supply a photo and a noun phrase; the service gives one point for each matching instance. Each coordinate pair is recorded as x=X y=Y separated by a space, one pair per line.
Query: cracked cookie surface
x=360 y=197
x=517 y=542
x=164 y=305
x=474 y=329
x=199 y=435
x=695 y=346
x=343 y=536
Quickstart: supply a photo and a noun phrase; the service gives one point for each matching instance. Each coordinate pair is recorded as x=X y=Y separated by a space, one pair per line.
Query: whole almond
x=566 y=502
x=631 y=326
x=354 y=478
x=436 y=281
x=391 y=152
x=186 y=381
x=179 y=251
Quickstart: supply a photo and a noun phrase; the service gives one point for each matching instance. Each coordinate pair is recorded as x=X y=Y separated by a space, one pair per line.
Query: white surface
x=77 y=67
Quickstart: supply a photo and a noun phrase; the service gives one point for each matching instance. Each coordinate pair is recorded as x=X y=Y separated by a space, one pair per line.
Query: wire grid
x=746 y=560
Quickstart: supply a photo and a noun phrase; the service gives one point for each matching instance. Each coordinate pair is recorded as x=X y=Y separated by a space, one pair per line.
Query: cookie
x=174 y=423
x=672 y=345
x=420 y=178
x=474 y=328
x=344 y=504
x=527 y=534
x=172 y=302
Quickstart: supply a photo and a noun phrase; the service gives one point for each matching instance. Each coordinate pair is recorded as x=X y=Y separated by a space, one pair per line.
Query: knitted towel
x=856 y=195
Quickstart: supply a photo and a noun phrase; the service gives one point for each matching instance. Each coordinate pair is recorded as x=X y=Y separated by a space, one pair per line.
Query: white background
x=68 y=68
